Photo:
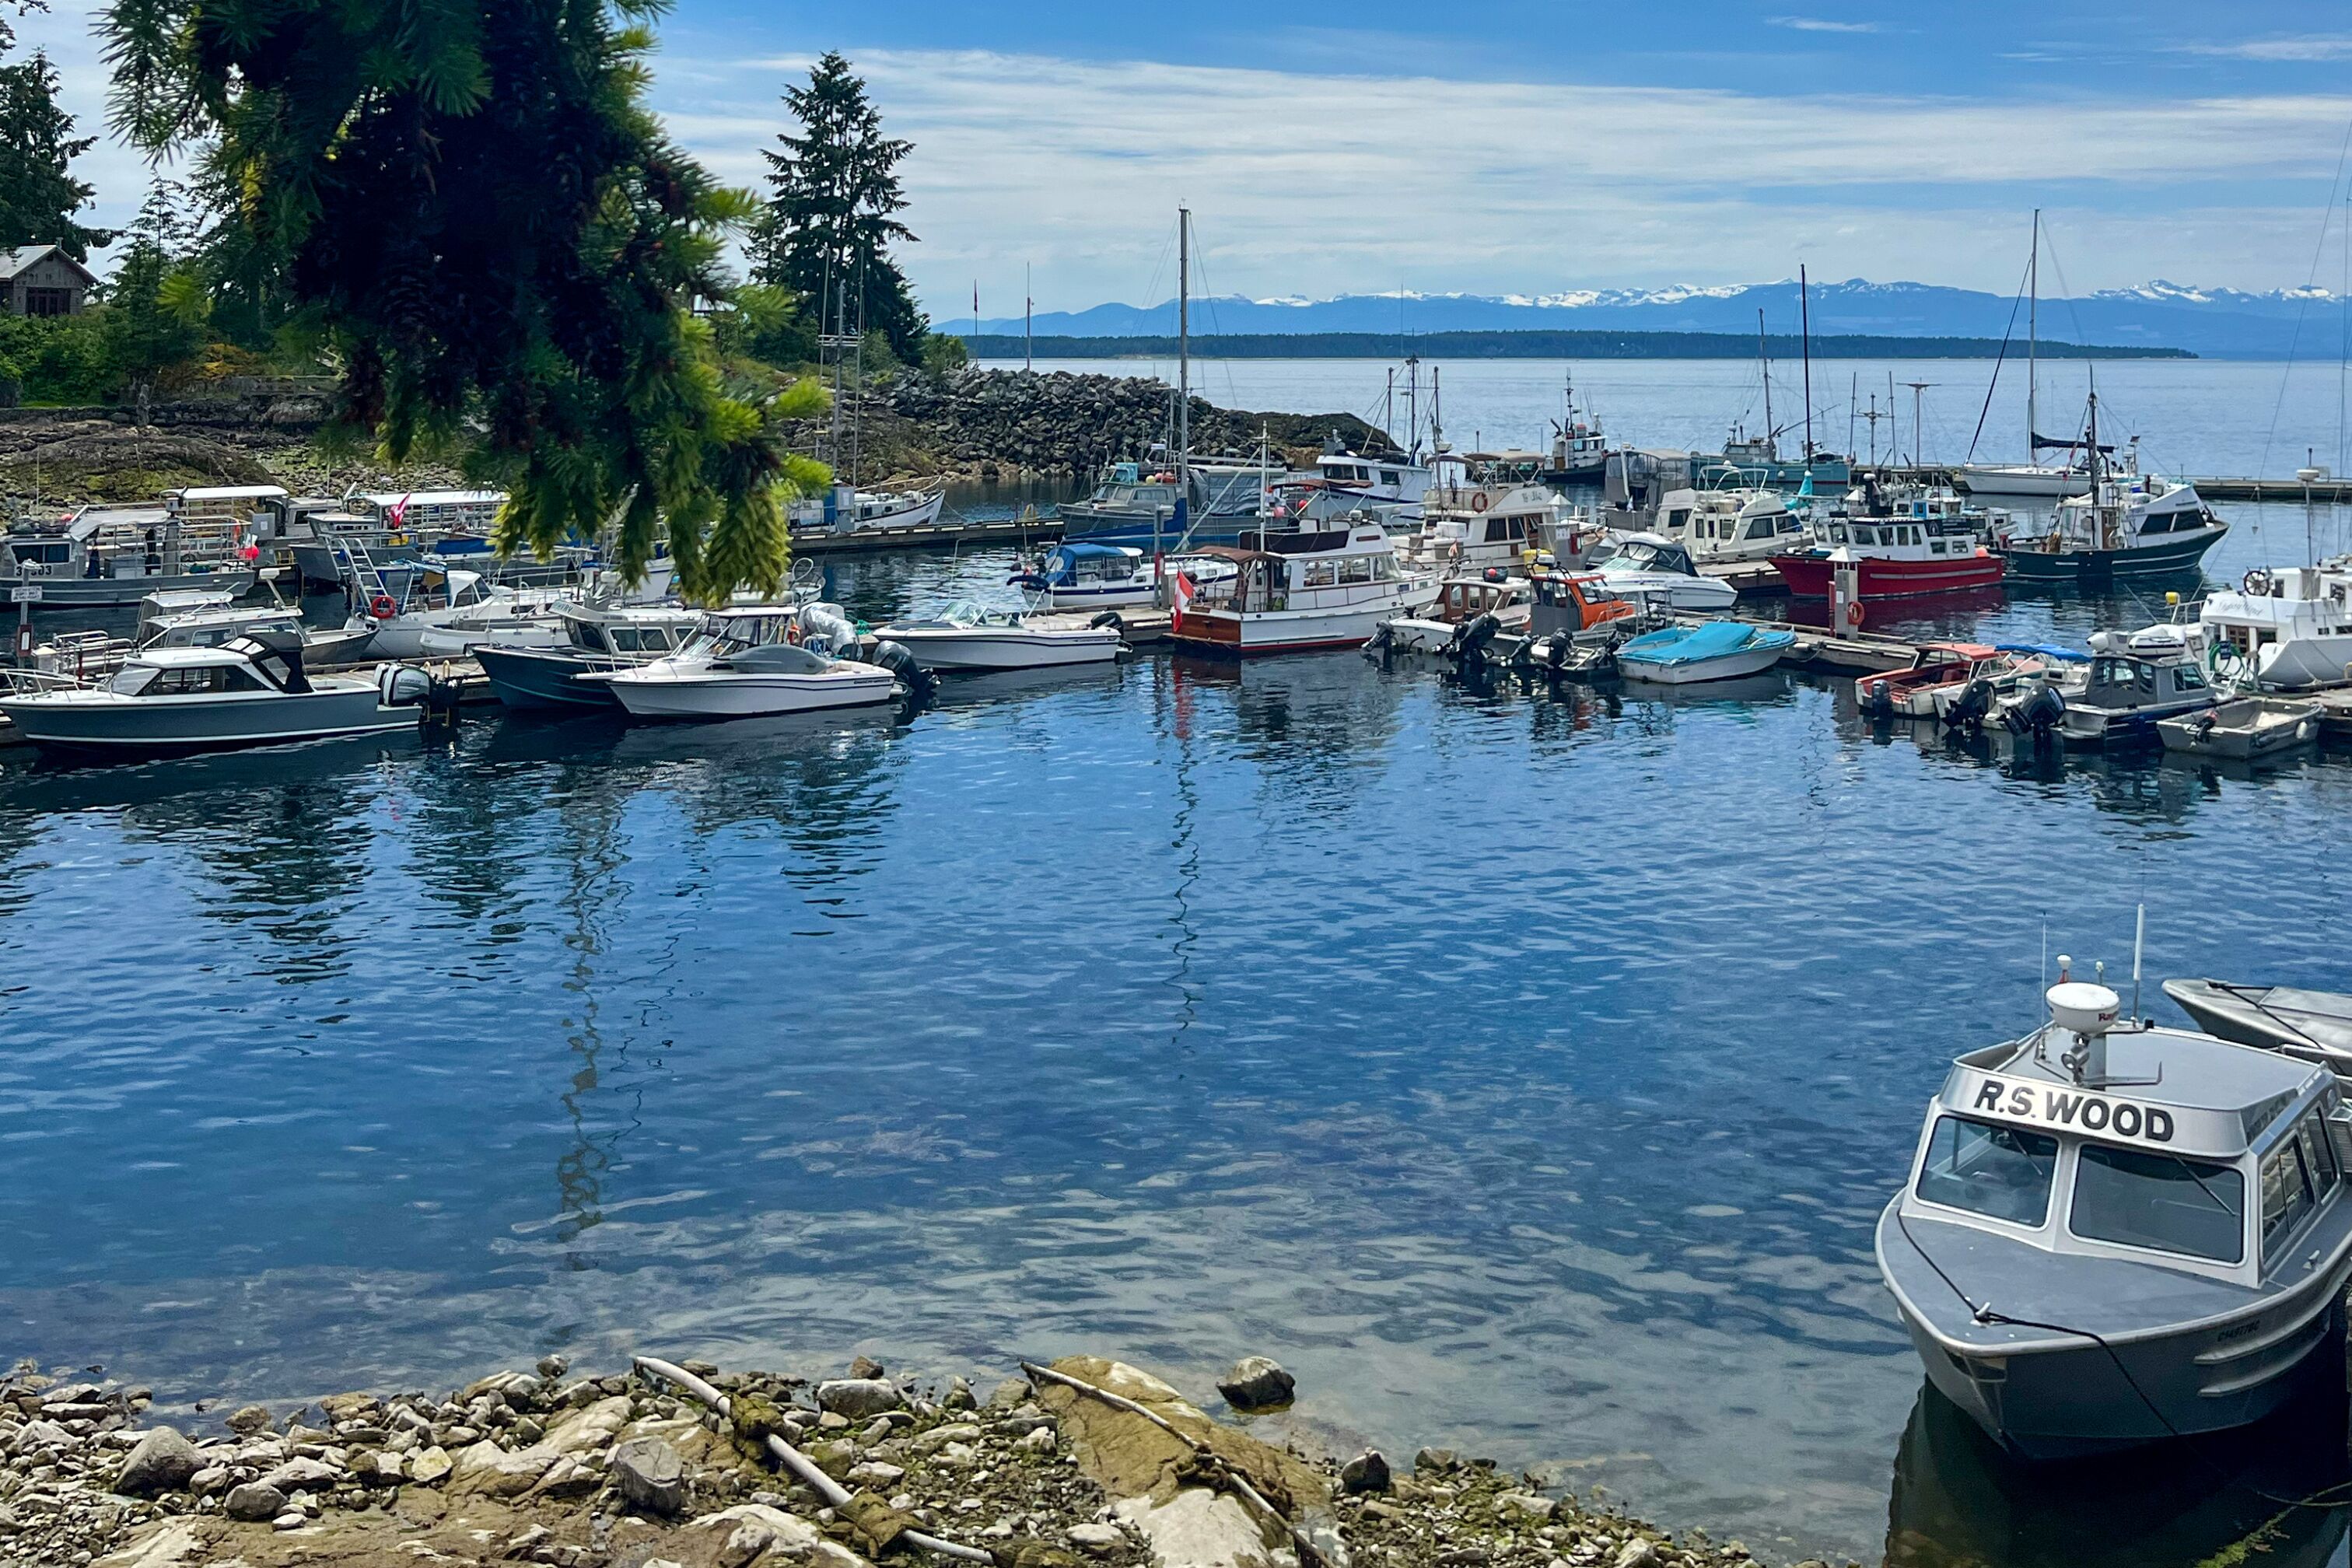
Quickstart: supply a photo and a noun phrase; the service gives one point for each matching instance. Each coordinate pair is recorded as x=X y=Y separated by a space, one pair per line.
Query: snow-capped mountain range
x=2217 y=323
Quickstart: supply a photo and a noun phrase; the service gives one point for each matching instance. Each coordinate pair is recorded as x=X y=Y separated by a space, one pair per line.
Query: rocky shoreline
x=1090 y=1462
x=983 y=426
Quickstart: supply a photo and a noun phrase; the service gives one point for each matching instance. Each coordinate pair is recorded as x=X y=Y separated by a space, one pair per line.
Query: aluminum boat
x=2117 y=1234
x=251 y=692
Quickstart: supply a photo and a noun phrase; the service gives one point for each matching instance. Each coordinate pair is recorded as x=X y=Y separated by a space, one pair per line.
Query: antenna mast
x=1764 y=354
x=1805 y=319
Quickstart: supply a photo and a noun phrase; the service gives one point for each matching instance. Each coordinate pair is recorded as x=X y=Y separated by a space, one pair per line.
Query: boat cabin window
x=133 y=680
x=2187 y=677
x=1356 y=569
x=2161 y=1202
x=2002 y=1172
x=2290 y=1192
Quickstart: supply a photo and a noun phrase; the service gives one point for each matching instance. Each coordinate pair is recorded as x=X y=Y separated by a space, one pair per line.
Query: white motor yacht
x=1731 y=524
x=1468 y=527
x=1293 y=591
x=966 y=636
x=1652 y=569
x=2283 y=629
x=756 y=660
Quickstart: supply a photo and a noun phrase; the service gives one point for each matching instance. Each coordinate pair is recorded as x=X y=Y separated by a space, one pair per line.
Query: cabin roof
x=24 y=257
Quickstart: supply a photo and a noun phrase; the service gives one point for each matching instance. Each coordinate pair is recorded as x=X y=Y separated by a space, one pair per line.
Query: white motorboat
x=1731 y=524
x=191 y=617
x=1292 y=591
x=251 y=692
x=1078 y=575
x=1652 y=569
x=750 y=661
x=965 y=636
x=1467 y=526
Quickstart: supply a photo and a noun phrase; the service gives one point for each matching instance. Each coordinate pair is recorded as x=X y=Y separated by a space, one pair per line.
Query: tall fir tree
x=38 y=194
x=500 y=246
x=832 y=212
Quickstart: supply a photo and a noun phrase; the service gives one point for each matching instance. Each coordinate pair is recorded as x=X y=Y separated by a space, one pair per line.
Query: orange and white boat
x=1293 y=591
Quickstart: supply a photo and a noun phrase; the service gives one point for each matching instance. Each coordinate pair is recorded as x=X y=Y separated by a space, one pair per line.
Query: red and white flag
x=1179 y=595
x=398 y=516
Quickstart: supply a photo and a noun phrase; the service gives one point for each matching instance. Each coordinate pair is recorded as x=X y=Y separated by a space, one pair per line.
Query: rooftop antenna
x=2139 y=942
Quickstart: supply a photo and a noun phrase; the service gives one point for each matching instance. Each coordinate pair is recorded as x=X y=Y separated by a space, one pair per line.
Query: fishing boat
x=756 y=660
x=1579 y=452
x=117 y=556
x=1652 y=569
x=2242 y=729
x=1716 y=650
x=249 y=691
x=2282 y=629
x=1293 y=591
x=1901 y=541
x=601 y=638
x=2115 y=1235
x=2121 y=526
x=2310 y=1025
x=2129 y=685
x=967 y=636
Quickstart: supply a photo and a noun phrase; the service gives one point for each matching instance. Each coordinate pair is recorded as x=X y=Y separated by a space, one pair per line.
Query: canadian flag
x=1179 y=595
x=398 y=515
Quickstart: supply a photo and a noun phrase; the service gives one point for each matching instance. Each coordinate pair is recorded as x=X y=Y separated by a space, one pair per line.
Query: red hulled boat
x=1924 y=544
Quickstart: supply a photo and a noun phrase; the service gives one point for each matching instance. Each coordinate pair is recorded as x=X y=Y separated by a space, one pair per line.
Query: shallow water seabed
x=1524 y=1072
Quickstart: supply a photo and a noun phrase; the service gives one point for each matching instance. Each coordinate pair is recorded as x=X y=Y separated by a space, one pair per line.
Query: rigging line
x=2303 y=302
x=2003 y=358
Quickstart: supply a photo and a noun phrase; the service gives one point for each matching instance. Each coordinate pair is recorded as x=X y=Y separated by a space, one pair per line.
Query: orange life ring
x=382 y=607
x=1853 y=612
x=1477 y=500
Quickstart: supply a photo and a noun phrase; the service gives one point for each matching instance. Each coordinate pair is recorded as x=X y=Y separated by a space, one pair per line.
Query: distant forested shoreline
x=1532 y=345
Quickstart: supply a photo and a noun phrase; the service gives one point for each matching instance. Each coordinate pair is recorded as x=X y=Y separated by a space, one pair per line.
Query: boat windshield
x=130 y=681
x=2002 y=1172
x=2161 y=1202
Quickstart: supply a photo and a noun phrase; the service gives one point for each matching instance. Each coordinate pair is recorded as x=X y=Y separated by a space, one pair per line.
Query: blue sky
x=1535 y=149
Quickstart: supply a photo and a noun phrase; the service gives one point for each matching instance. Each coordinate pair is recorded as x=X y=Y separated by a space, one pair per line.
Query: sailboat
x=2033 y=481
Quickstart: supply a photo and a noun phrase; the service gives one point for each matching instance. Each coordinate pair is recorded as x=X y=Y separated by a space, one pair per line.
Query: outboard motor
x=1470 y=640
x=1110 y=618
x=1878 y=699
x=2038 y=716
x=1968 y=710
x=901 y=661
x=435 y=697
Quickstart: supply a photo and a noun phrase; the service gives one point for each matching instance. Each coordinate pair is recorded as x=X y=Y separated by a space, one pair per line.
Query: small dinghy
x=2242 y=729
x=1717 y=650
x=2312 y=1026
x=2116 y=1235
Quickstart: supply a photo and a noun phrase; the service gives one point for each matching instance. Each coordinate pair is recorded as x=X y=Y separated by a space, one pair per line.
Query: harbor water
x=1523 y=1070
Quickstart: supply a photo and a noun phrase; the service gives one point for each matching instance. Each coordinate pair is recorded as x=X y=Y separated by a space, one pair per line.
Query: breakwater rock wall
x=999 y=422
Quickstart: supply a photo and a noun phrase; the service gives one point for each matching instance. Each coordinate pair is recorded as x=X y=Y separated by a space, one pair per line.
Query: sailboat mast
x=2032 y=341
x=1185 y=353
x=1805 y=326
x=1764 y=356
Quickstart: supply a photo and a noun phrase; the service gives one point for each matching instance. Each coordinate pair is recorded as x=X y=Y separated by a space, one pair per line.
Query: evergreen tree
x=38 y=194
x=155 y=309
x=497 y=243
x=831 y=215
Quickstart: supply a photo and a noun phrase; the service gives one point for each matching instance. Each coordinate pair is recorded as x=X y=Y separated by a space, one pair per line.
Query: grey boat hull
x=94 y=592
x=546 y=678
x=164 y=726
x=2061 y=1394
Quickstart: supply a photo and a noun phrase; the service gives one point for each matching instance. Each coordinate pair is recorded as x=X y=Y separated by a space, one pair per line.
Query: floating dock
x=939 y=535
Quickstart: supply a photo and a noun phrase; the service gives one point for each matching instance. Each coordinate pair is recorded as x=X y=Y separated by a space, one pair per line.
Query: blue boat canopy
x=1078 y=551
x=2071 y=655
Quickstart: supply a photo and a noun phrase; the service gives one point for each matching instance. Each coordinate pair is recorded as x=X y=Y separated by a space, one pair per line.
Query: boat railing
x=28 y=682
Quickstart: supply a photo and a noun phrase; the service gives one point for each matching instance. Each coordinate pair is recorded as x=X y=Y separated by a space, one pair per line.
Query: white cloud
x=1307 y=183
x=2310 y=47
x=1820 y=25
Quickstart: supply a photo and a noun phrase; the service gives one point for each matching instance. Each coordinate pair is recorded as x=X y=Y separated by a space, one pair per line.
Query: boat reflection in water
x=2260 y=1494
